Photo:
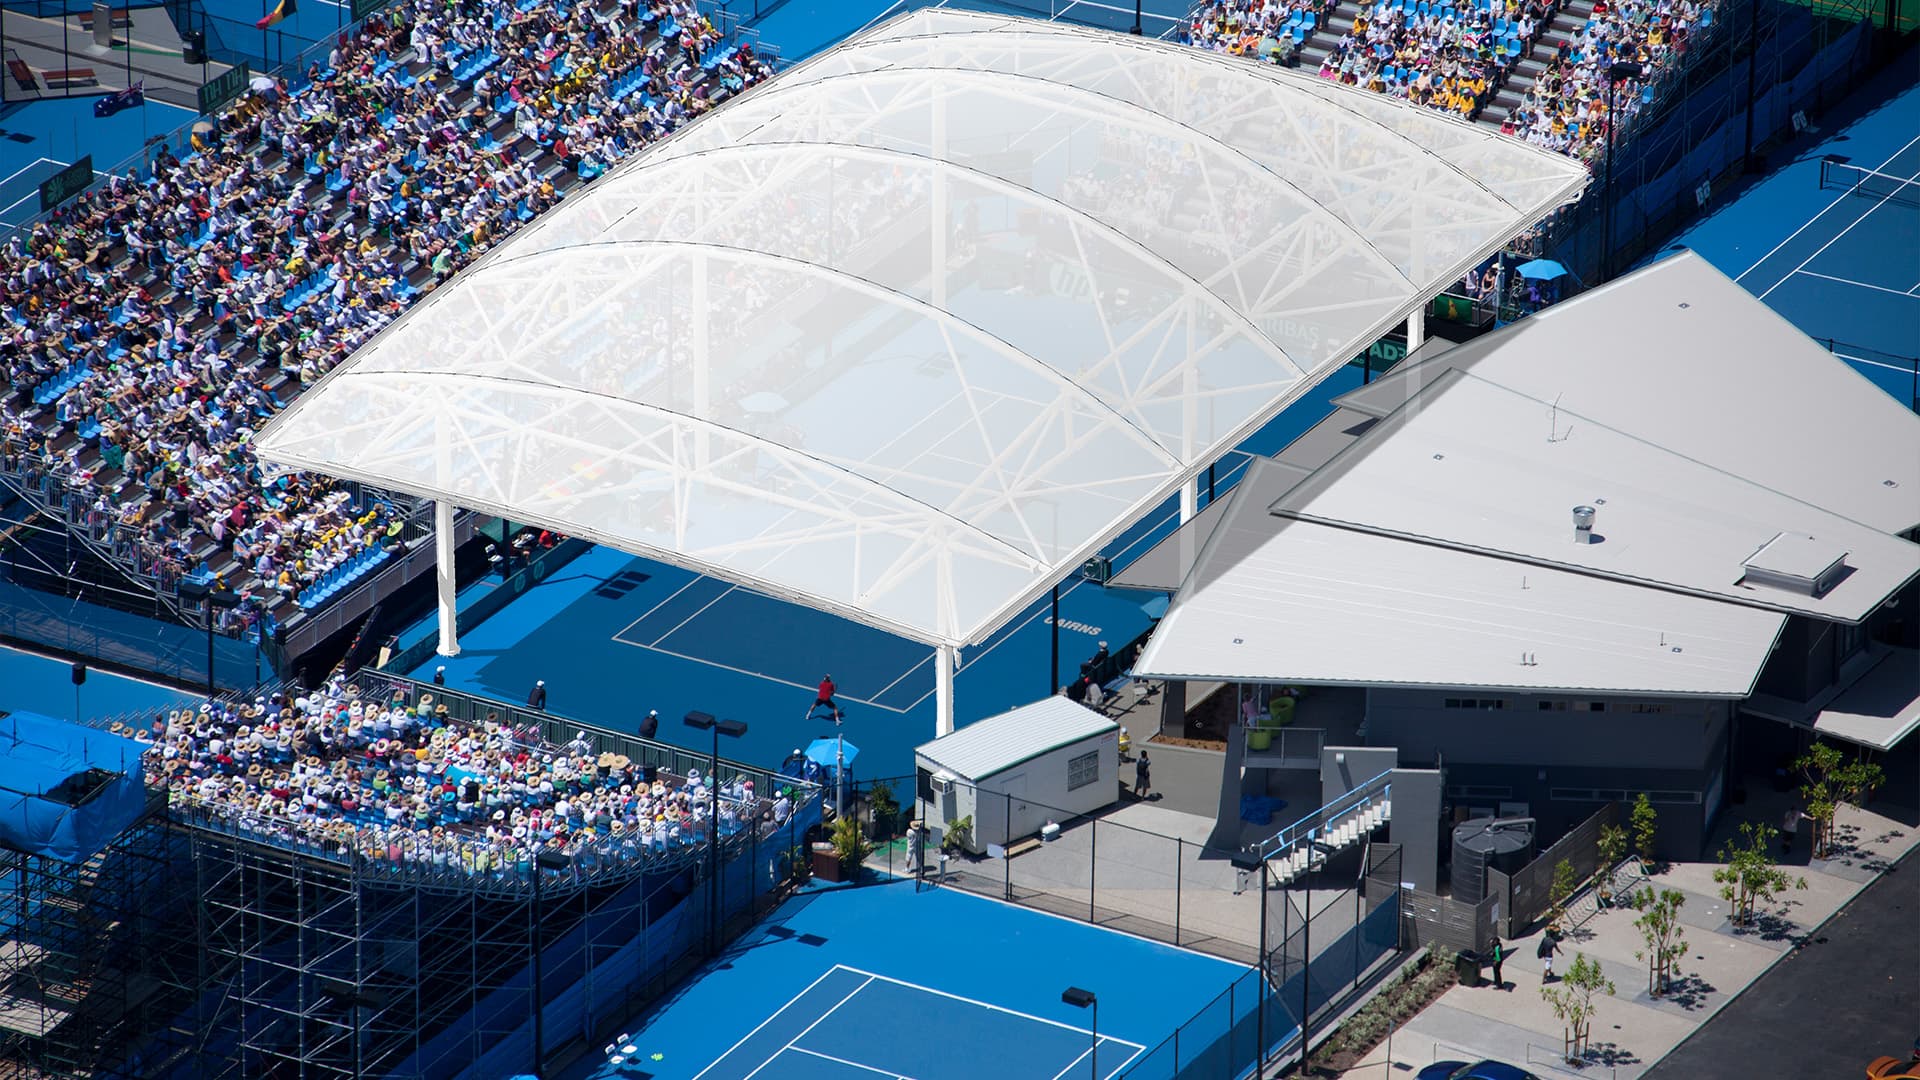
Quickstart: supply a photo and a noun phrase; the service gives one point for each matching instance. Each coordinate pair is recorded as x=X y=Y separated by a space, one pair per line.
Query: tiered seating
x=1535 y=68
x=400 y=784
x=152 y=325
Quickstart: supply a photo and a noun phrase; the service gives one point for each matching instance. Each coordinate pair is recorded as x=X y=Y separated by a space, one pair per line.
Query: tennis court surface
x=898 y=982
x=826 y=1033
x=1828 y=241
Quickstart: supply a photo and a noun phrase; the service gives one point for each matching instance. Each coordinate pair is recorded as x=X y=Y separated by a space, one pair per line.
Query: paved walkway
x=1633 y=1030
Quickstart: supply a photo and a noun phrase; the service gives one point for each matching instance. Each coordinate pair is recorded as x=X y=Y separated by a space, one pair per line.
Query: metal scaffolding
x=85 y=954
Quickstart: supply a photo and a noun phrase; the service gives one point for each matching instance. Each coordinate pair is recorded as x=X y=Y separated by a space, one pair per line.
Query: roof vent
x=1797 y=563
x=1583 y=524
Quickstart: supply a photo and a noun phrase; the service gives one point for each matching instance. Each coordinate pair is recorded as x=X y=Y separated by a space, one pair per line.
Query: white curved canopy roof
x=918 y=325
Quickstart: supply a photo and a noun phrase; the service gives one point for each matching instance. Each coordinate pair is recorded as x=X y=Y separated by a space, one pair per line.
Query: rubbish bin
x=826 y=863
x=1467 y=963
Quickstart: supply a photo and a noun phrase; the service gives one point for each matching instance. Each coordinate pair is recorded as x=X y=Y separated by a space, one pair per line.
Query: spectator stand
x=337 y=143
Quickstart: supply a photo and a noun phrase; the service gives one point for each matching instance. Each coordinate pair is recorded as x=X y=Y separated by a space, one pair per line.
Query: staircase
x=1343 y=832
x=1522 y=74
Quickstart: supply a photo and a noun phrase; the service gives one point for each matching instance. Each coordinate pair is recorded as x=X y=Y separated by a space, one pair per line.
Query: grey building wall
x=1416 y=826
x=1558 y=763
x=1360 y=764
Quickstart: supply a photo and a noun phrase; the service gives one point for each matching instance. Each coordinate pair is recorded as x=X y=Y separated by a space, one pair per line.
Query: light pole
x=839 y=764
x=1085 y=999
x=1621 y=69
x=544 y=859
x=733 y=729
x=211 y=595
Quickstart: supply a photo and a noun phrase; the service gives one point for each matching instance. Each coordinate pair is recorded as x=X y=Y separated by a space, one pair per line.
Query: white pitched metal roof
x=1277 y=599
x=1680 y=355
x=1881 y=708
x=998 y=743
x=910 y=330
x=1475 y=465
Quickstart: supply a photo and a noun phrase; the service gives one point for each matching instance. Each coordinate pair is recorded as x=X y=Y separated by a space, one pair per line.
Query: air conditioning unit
x=943 y=785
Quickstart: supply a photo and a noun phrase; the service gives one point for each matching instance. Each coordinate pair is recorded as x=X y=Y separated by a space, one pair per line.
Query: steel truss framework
x=306 y=967
x=85 y=957
x=919 y=324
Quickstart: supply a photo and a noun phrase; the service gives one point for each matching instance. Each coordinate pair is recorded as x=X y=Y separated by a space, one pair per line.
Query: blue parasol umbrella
x=821 y=752
x=1542 y=270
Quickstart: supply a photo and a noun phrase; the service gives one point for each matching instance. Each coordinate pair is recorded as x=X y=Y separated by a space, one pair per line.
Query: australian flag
x=121 y=99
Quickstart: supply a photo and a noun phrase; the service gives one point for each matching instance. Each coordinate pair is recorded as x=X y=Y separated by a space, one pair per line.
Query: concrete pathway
x=1632 y=1030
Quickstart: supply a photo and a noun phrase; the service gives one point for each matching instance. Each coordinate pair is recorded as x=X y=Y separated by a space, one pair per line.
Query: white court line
x=1832 y=240
x=1875 y=363
x=1822 y=212
x=756 y=1029
x=1856 y=284
x=755 y=674
x=871 y=976
x=724 y=593
x=29 y=165
x=816 y=1023
x=621 y=635
x=1074 y=1064
x=844 y=1061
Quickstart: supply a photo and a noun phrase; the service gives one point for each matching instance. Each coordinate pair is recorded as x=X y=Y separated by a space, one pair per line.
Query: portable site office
x=1014 y=772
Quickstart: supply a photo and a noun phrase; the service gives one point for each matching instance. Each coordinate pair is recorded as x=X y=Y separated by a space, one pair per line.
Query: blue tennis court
x=20 y=190
x=921 y=983
x=801 y=1041
x=1836 y=261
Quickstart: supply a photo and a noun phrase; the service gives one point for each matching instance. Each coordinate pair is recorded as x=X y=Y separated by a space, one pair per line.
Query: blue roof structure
x=66 y=790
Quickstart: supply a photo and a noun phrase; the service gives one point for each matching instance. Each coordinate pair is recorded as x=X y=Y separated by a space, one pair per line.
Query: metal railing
x=1316 y=825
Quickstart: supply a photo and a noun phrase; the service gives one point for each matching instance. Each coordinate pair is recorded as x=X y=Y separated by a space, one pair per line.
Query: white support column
x=1416 y=328
x=443 y=577
x=945 y=659
x=1189 y=500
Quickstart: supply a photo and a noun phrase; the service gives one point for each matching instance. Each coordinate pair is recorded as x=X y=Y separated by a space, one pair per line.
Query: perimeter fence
x=1323 y=934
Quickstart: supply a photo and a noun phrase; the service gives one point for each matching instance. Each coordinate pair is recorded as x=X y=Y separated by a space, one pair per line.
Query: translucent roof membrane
x=916 y=326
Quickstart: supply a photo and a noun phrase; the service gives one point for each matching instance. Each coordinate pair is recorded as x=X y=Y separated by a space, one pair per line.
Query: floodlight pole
x=733 y=729
x=1086 y=999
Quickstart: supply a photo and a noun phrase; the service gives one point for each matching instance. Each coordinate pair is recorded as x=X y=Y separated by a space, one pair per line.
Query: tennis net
x=1858 y=180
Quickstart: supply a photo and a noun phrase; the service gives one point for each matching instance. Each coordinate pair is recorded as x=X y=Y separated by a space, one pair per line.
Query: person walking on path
x=826 y=693
x=1142 y=778
x=1789 y=829
x=537 y=697
x=1499 y=957
x=1548 y=946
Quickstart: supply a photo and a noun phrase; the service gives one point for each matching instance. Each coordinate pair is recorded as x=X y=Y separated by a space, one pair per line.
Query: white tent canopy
x=918 y=325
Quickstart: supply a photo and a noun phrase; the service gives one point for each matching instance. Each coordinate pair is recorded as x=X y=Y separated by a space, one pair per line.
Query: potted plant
x=959 y=832
x=850 y=847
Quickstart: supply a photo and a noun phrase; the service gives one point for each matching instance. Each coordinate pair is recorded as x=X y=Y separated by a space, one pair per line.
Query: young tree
x=1646 y=822
x=1829 y=781
x=1750 y=875
x=1613 y=848
x=1659 y=924
x=1572 y=1001
x=1562 y=886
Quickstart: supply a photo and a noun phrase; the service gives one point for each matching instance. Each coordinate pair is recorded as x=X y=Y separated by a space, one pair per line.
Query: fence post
x=1179 y=866
x=1006 y=854
x=1093 y=865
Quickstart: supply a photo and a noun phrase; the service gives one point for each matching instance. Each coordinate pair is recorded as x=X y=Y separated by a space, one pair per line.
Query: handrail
x=1312 y=825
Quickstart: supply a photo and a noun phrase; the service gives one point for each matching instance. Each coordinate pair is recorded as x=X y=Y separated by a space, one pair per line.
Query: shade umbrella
x=821 y=751
x=1542 y=270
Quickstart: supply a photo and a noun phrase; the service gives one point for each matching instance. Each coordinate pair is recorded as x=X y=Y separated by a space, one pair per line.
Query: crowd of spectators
x=1456 y=56
x=398 y=782
x=1566 y=107
x=149 y=327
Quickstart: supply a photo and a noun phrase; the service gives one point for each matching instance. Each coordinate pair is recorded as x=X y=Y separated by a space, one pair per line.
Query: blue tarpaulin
x=43 y=763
